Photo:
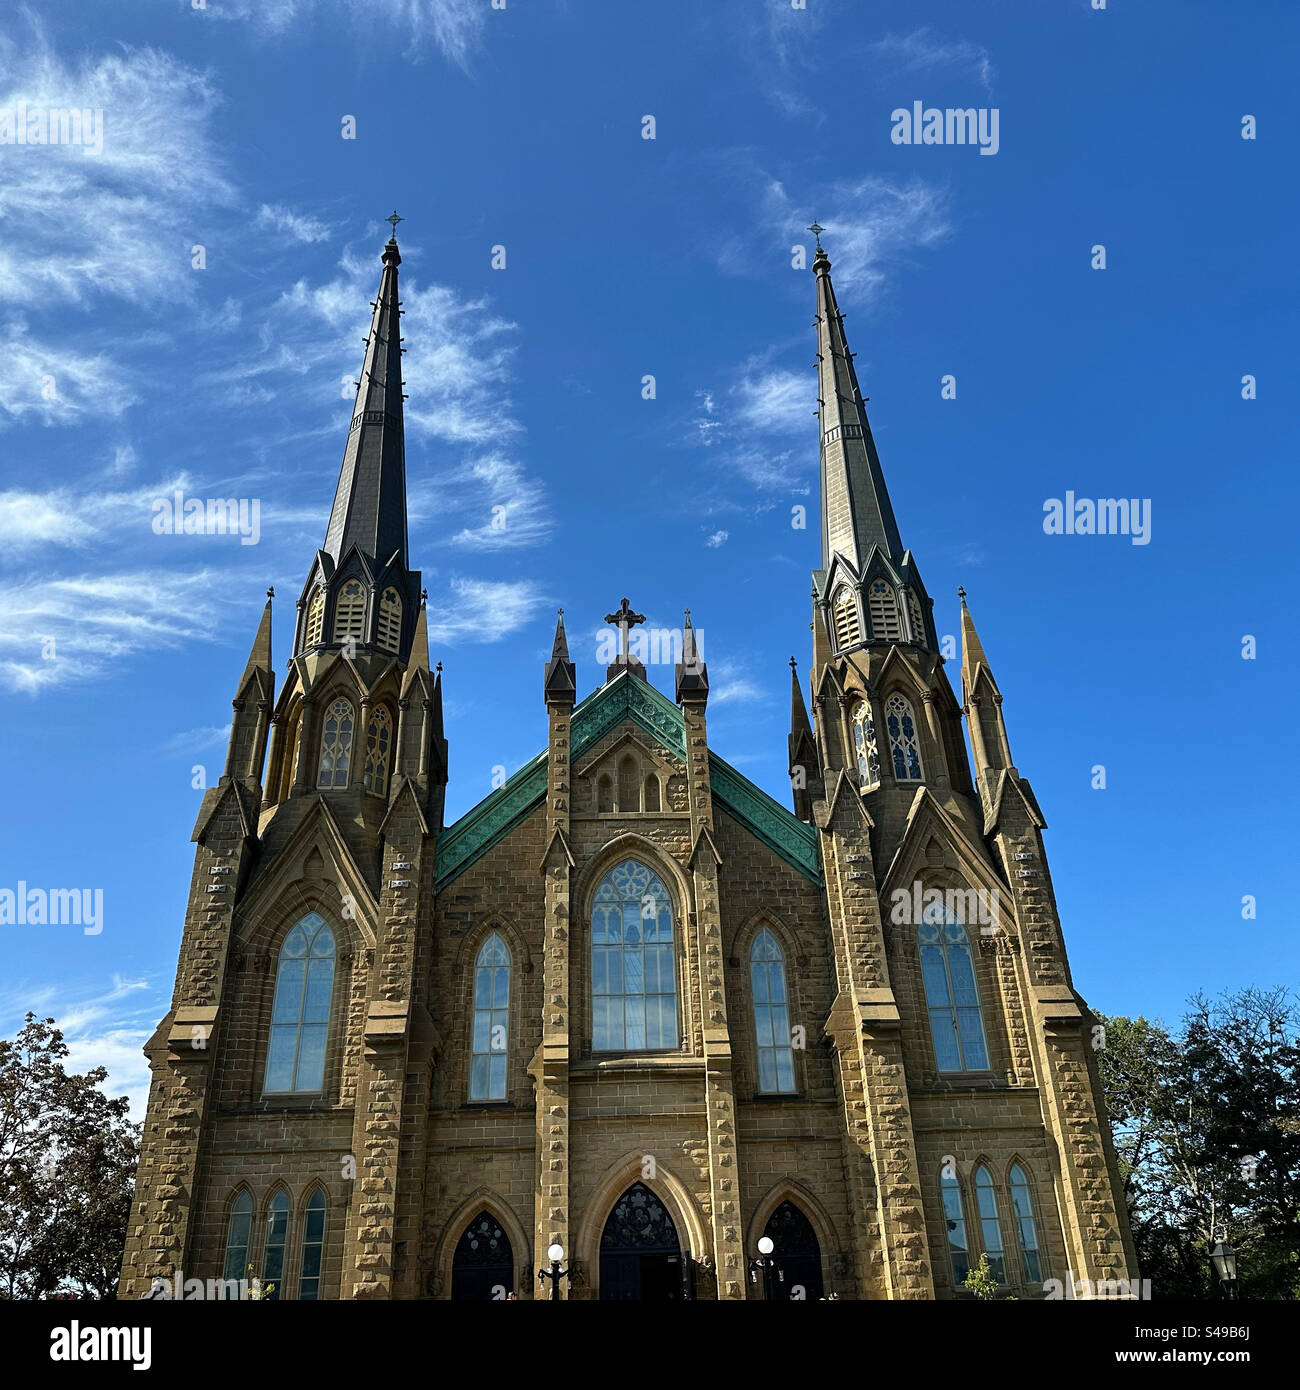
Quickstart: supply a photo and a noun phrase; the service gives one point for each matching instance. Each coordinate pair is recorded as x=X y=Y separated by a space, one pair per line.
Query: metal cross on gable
x=392 y=219
x=624 y=619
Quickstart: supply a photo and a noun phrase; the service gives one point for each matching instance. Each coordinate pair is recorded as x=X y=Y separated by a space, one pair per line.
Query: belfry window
x=300 y=1014
x=350 y=612
x=379 y=732
x=986 y=1200
x=864 y=745
x=1026 y=1231
x=771 y=1015
x=904 y=744
x=315 y=618
x=491 y=1021
x=633 y=971
x=336 y=745
x=389 y=634
x=948 y=972
x=883 y=606
x=845 y=609
x=914 y=613
x=955 y=1221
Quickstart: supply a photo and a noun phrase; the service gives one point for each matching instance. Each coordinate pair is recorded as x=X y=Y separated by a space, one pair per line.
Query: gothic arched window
x=1026 y=1231
x=239 y=1232
x=864 y=745
x=904 y=744
x=986 y=1200
x=313 y=1246
x=315 y=618
x=300 y=1015
x=350 y=612
x=277 y=1240
x=882 y=603
x=955 y=1222
x=483 y=1266
x=652 y=793
x=605 y=793
x=487 y=1073
x=336 y=745
x=948 y=971
x=629 y=785
x=914 y=613
x=845 y=611
x=633 y=972
x=379 y=737
x=389 y=632
x=771 y=1015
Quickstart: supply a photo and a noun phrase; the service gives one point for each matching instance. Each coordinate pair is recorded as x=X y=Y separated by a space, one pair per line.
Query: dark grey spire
x=561 y=682
x=370 y=501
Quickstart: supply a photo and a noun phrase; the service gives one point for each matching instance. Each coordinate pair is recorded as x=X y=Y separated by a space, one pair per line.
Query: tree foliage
x=1206 y=1122
x=67 y=1166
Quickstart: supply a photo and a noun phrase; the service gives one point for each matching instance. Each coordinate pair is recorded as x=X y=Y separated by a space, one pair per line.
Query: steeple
x=561 y=682
x=692 y=673
x=370 y=501
x=805 y=767
x=983 y=703
x=856 y=511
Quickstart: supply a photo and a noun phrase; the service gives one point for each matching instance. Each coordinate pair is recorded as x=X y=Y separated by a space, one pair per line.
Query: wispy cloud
x=923 y=51
x=730 y=685
x=716 y=540
x=55 y=383
x=296 y=226
x=482 y=610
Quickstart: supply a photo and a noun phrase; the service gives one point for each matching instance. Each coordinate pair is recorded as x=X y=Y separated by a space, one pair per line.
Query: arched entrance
x=796 y=1253
x=640 y=1255
x=483 y=1266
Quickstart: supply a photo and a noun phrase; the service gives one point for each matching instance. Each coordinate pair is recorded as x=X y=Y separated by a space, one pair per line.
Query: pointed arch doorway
x=797 y=1254
x=641 y=1257
x=483 y=1266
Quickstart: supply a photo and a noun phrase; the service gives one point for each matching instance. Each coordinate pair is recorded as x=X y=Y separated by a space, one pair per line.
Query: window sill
x=609 y=1064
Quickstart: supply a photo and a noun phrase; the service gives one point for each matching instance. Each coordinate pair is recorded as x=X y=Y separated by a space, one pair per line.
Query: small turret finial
x=961 y=593
x=392 y=219
x=816 y=229
x=270 y=593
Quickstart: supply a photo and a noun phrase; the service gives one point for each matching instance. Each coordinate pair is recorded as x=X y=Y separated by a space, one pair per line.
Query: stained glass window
x=304 y=985
x=379 y=734
x=948 y=971
x=277 y=1238
x=491 y=1021
x=239 y=1231
x=771 y=1014
x=336 y=745
x=864 y=745
x=633 y=970
x=1026 y=1230
x=955 y=1221
x=313 y=1246
x=986 y=1200
x=904 y=746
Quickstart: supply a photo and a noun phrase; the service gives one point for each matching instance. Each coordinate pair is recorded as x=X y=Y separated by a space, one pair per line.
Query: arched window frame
x=239 y=1235
x=337 y=739
x=388 y=631
x=844 y=618
x=862 y=727
x=948 y=978
x=1025 y=1222
x=311 y=1018
x=275 y=1244
x=882 y=606
x=904 y=739
x=311 y=1248
x=377 y=749
x=350 y=611
x=490 y=1012
x=652 y=793
x=915 y=616
x=992 y=1244
x=314 y=629
x=607 y=961
x=955 y=1225
x=769 y=987
x=605 y=794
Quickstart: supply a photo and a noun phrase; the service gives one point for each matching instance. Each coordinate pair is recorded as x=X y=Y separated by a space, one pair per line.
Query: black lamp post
x=1224 y=1260
x=766 y=1265
x=555 y=1254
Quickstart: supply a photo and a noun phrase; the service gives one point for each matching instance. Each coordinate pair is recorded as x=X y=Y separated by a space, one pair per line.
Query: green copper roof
x=626 y=697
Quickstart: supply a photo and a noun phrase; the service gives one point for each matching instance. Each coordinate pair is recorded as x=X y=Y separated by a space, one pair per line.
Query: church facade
x=628 y=1004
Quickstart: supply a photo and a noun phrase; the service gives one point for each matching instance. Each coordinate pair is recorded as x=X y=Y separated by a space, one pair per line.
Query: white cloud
x=481 y=610
x=296 y=226
x=729 y=685
x=500 y=483
x=56 y=384
x=453 y=26
x=921 y=51
x=73 y=518
x=776 y=400
x=718 y=538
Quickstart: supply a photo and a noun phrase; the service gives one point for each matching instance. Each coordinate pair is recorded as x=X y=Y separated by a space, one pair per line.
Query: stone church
x=628 y=1004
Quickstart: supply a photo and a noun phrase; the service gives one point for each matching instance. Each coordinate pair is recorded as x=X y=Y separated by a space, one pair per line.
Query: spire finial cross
x=961 y=593
x=393 y=220
x=624 y=619
x=817 y=229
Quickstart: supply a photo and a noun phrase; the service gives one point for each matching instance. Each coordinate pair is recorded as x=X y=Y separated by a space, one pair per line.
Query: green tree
x=1207 y=1131
x=67 y=1166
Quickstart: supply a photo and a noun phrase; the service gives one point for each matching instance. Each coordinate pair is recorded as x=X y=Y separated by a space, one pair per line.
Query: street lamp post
x=766 y=1265
x=1224 y=1260
x=555 y=1254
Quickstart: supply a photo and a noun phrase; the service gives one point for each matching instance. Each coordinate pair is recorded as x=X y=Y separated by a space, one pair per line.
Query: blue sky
x=131 y=373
